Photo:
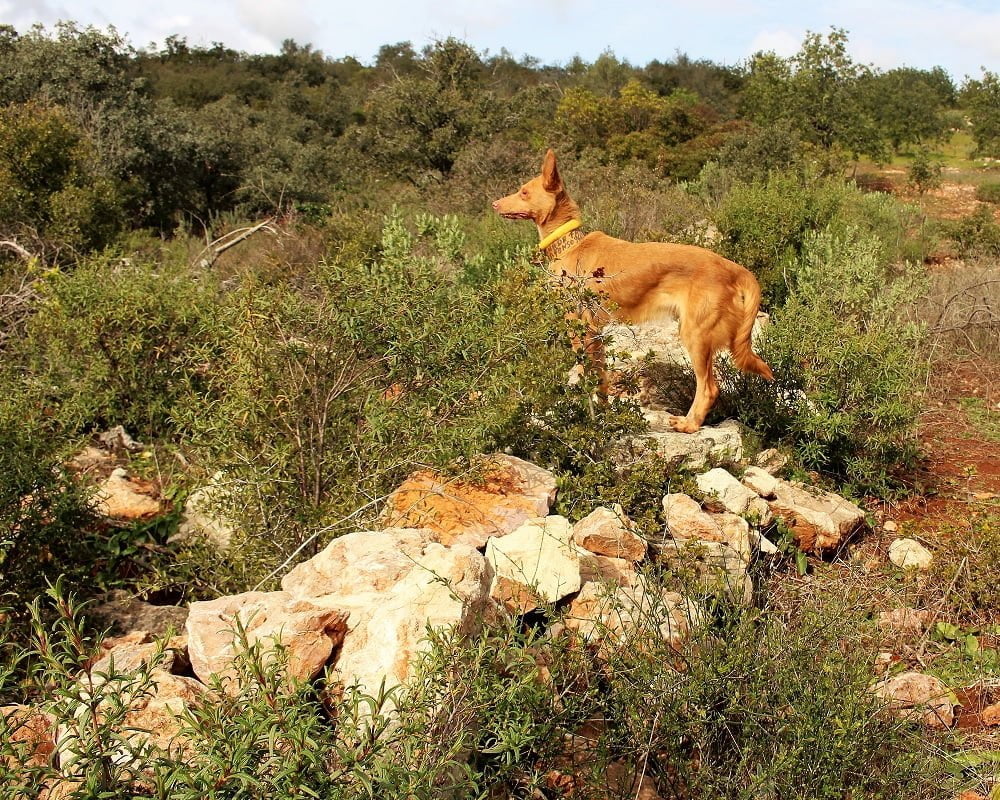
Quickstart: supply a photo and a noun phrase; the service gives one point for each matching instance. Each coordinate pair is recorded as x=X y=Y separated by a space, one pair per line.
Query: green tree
x=820 y=91
x=908 y=105
x=982 y=99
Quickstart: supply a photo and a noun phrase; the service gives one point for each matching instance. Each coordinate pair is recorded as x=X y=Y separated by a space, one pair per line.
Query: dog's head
x=538 y=198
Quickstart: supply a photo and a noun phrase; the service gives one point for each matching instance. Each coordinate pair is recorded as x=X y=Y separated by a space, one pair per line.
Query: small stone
x=609 y=532
x=890 y=526
x=771 y=461
x=728 y=494
x=991 y=715
x=883 y=662
x=760 y=481
x=906 y=620
x=918 y=697
x=122 y=497
x=910 y=554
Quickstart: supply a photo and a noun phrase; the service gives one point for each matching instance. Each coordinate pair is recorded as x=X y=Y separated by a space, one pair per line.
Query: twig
x=10 y=244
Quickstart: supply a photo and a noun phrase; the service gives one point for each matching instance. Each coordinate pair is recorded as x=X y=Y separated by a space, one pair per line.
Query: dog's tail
x=743 y=355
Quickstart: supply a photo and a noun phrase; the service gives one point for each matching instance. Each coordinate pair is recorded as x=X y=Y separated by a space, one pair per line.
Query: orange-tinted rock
x=126 y=498
x=609 y=532
x=31 y=729
x=819 y=520
x=918 y=697
x=508 y=492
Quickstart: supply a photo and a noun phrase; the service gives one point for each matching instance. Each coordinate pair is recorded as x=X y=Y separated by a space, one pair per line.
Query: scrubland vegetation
x=382 y=320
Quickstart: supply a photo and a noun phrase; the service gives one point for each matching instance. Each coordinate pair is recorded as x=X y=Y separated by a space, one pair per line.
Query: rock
x=203 y=519
x=719 y=568
x=819 y=520
x=470 y=512
x=732 y=496
x=307 y=631
x=764 y=545
x=918 y=697
x=890 y=526
x=637 y=341
x=910 y=554
x=130 y=652
x=884 y=662
x=122 y=613
x=121 y=497
x=686 y=520
x=535 y=564
x=719 y=444
x=606 y=569
x=771 y=461
x=906 y=620
x=92 y=461
x=117 y=438
x=991 y=715
x=760 y=481
x=609 y=532
x=32 y=730
x=151 y=718
x=394 y=584
x=611 y=617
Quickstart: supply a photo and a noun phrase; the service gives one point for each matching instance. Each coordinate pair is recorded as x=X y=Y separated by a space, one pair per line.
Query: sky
x=963 y=36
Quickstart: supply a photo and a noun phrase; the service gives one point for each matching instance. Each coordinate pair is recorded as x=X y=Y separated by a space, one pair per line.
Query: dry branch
x=10 y=244
x=207 y=257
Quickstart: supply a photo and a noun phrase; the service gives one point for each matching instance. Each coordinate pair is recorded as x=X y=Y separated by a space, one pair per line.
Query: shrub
x=847 y=375
x=967 y=565
x=116 y=341
x=976 y=234
x=989 y=192
x=925 y=173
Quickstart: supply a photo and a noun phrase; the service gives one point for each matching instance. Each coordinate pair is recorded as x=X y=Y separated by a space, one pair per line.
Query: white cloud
x=783 y=42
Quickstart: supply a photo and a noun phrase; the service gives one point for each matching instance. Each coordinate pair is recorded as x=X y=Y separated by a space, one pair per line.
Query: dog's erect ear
x=550 y=173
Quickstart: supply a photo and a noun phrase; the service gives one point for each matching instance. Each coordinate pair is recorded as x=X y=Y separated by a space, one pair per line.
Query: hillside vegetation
x=281 y=276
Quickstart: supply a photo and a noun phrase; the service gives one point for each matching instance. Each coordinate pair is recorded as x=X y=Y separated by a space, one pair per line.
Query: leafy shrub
x=847 y=378
x=989 y=192
x=967 y=565
x=924 y=172
x=976 y=234
x=116 y=342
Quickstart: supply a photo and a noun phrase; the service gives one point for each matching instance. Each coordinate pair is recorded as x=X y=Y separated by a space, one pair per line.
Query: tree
x=982 y=99
x=819 y=91
x=908 y=105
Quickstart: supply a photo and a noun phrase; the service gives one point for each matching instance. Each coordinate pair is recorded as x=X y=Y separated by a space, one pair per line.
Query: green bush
x=116 y=341
x=989 y=192
x=765 y=225
x=976 y=234
x=925 y=173
x=847 y=373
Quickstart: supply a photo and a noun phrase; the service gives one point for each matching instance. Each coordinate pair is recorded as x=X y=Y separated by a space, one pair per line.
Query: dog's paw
x=682 y=424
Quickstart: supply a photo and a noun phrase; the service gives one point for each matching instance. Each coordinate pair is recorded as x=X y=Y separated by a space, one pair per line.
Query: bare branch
x=10 y=244
x=207 y=257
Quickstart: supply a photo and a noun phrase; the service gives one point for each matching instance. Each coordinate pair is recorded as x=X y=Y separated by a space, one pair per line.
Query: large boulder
x=819 y=520
x=728 y=494
x=535 y=564
x=307 y=632
x=507 y=492
x=608 y=532
x=139 y=649
x=393 y=584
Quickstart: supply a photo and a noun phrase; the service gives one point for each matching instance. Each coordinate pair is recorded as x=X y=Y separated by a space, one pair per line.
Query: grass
x=984 y=417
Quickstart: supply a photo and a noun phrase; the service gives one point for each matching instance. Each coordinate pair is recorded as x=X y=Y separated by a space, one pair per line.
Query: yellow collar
x=559 y=232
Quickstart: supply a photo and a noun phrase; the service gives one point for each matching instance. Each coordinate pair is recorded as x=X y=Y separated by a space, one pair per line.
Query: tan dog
x=714 y=299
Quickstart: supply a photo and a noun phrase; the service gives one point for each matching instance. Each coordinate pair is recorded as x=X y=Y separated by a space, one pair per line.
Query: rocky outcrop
x=138 y=649
x=122 y=613
x=534 y=565
x=203 y=519
x=611 y=617
x=608 y=532
x=392 y=585
x=507 y=492
x=760 y=481
x=819 y=520
x=307 y=632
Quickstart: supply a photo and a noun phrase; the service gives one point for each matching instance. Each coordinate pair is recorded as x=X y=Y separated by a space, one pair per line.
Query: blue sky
x=960 y=35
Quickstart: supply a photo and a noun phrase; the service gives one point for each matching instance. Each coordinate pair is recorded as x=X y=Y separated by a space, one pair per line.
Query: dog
x=715 y=299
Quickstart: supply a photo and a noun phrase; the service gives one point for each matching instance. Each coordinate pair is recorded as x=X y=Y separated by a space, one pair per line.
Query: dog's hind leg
x=706 y=388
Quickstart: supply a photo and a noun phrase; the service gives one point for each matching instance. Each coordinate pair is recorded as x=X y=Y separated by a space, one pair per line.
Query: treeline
x=97 y=138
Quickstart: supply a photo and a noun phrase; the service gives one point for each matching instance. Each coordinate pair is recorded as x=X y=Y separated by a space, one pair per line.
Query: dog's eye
x=524 y=193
